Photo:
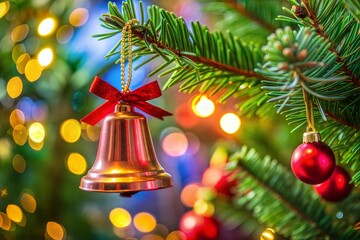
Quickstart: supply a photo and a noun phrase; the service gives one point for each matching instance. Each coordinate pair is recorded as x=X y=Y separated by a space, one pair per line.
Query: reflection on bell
x=126 y=162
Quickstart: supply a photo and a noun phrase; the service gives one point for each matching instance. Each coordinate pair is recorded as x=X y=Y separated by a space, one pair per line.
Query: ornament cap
x=124 y=107
x=310 y=137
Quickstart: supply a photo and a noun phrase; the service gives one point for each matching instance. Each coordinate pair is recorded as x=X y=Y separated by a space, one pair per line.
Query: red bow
x=137 y=98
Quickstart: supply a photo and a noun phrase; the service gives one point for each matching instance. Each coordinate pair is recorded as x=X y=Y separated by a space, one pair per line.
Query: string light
x=144 y=222
x=176 y=235
x=4 y=8
x=46 y=26
x=19 y=33
x=37 y=132
x=230 y=123
x=55 y=231
x=14 y=212
x=6 y=222
x=188 y=194
x=19 y=163
x=203 y=106
x=28 y=202
x=45 y=57
x=78 y=17
x=17 y=117
x=76 y=163
x=14 y=87
x=33 y=70
x=120 y=217
x=64 y=34
x=70 y=130
x=20 y=135
x=21 y=62
x=175 y=144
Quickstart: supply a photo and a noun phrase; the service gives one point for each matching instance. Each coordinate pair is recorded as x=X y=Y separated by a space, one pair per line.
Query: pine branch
x=243 y=11
x=320 y=30
x=269 y=191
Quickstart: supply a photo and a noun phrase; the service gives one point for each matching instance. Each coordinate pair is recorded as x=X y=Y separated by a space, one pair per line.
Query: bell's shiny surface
x=126 y=160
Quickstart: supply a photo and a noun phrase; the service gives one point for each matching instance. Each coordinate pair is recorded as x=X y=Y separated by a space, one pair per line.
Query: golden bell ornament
x=125 y=162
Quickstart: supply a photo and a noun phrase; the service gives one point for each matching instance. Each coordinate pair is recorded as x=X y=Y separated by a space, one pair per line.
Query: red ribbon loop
x=137 y=98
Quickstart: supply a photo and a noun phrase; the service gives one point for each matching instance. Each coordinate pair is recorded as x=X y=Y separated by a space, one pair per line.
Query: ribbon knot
x=136 y=98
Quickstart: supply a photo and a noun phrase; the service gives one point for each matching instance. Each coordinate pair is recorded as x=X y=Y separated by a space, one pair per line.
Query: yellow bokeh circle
x=37 y=132
x=144 y=222
x=76 y=163
x=120 y=217
x=70 y=130
x=14 y=87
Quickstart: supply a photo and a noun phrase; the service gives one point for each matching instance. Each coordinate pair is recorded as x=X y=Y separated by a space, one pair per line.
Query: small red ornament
x=313 y=162
x=197 y=227
x=225 y=186
x=337 y=187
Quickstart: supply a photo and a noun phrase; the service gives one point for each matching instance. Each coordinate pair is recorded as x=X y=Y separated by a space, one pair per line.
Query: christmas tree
x=276 y=62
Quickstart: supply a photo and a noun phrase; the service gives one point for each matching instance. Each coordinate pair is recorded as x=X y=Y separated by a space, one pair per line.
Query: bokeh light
x=219 y=157
x=70 y=130
x=175 y=143
x=46 y=26
x=203 y=106
x=78 y=17
x=204 y=208
x=17 y=117
x=4 y=8
x=211 y=176
x=19 y=33
x=144 y=222
x=19 y=163
x=45 y=57
x=15 y=213
x=14 y=87
x=76 y=163
x=189 y=194
x=33 y=70
x=120 y=217
x=268 y=234
x=176 y=235
x=230 y=123
x=151 y=237
x=35 y=145
x=20 y=135
x=124 y=232
x=28 y=202
x=55 y=231
x=17 y=51
x=21 y=62
x=185 y=117
x=37 y=132
x=64 y=34
x=6 y=222
x=5 y=148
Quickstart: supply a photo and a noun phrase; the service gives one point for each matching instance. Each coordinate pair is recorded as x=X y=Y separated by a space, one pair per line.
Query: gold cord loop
x=309 y=107
x=125 y=86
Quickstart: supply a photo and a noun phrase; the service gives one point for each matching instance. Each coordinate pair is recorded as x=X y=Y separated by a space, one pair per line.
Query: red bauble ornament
x=337 y=187
x=225 y=186
x=313 y=162
x=197 y=227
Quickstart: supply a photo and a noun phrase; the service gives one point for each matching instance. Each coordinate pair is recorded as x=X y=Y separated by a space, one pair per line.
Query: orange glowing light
x=189 y=194
x=55 y=231
x=14 y=213
x=211 y=176
x=76 y=163
x=14 y=87
x=144 y=222
x=78 y=17
x=120 y=217
x=175 y=144
x=203 y=106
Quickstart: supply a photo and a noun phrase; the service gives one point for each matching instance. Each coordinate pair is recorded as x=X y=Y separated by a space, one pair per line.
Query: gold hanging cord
x=309 y=107
x=126 y=30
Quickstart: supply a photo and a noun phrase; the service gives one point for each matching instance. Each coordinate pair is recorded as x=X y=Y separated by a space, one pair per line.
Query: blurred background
x=48 y=60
